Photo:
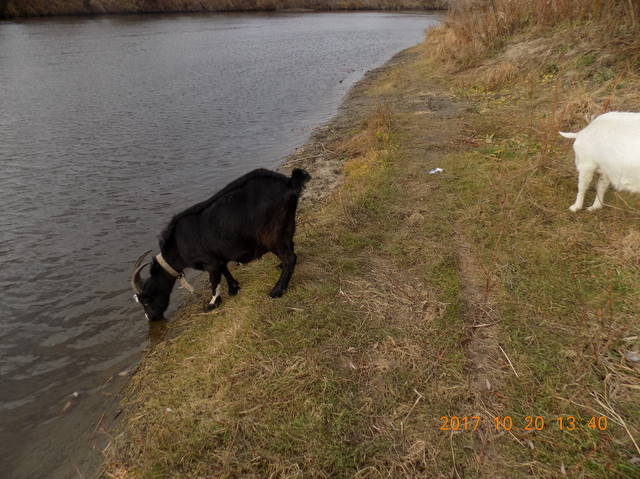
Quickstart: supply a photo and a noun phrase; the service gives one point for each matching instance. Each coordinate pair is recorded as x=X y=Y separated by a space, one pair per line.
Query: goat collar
x=180 y=276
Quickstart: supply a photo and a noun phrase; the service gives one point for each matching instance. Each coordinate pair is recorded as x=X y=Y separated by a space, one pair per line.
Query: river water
x=110 y=125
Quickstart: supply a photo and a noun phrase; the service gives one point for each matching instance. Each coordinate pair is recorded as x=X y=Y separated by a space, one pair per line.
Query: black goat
x=249 y=217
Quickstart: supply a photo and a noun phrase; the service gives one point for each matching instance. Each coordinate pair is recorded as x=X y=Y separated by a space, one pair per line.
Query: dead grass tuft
x=376 y=130
x=477 y=28
x=499 y=76
x=624 y=248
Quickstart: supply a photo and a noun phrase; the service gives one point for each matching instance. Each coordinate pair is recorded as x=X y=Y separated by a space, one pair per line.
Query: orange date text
x=526 y=423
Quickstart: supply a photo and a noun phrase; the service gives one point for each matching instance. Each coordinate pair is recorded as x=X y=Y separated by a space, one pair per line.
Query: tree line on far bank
x=28 y=8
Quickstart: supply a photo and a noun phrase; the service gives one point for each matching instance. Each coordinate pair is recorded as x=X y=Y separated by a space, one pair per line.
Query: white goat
x=609 y=145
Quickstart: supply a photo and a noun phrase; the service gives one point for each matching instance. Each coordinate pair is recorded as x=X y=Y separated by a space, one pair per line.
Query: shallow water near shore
x=108 y=127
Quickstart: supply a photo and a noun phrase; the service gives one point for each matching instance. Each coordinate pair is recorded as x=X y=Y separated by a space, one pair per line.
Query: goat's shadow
x=157 y=332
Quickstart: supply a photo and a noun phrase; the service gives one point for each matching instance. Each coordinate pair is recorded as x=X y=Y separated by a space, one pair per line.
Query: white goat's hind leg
x=584 y=178
x=601 y=189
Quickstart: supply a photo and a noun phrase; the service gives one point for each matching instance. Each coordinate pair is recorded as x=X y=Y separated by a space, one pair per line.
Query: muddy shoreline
x=319 y=156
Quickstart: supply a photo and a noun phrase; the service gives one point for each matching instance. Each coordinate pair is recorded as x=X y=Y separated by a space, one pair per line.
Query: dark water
x=108 y=126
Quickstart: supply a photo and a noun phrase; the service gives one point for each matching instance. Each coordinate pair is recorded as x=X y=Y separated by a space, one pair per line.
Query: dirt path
x=436 y=126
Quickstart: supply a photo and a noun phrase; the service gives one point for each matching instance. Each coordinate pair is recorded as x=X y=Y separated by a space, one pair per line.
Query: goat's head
x=152 y=293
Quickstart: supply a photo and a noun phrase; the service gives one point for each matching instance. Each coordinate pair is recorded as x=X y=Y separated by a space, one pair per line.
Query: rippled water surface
x=108 y=126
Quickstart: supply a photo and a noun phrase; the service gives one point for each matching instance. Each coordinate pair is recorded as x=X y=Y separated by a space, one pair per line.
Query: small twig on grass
x=453 y=455
x=581 y=405
x=484 y=325
x=493 y=414
x=510 y=363
x=420 y=396
x=617 y=417
x=327 y=149
x=247 y=411
x=540 y=207
x=629 y=207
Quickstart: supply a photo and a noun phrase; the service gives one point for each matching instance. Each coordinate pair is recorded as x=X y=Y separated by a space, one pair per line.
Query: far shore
x=11 y=9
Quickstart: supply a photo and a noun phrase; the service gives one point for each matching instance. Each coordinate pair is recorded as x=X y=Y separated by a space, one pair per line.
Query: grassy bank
x=28 y=8
x=470 y=292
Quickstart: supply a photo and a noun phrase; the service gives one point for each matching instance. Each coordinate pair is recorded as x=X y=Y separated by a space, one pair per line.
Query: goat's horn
x=136 y=281
x=140 y=258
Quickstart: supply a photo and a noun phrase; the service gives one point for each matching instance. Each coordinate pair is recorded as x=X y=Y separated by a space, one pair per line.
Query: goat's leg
x=601 y=189
x=233 y=285
x=288 y=258
x=585 y=174
x=214 y=278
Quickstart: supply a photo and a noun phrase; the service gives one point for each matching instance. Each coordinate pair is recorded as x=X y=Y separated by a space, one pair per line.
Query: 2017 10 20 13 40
x=527 y=423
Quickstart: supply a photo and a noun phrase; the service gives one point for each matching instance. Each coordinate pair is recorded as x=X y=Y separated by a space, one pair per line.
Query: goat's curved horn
x=136 y=281
x=140 y=258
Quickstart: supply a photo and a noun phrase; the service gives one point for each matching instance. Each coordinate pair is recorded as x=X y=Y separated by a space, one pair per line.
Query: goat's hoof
x=233 y=290
x=594 y=207
x=215 y=304
x=276 y=292
x=574 y=208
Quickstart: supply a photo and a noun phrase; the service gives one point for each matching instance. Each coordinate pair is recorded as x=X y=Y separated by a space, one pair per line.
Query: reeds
x=475 y=27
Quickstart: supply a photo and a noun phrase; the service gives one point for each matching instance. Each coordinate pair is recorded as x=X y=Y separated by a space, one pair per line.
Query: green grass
x=565 y=304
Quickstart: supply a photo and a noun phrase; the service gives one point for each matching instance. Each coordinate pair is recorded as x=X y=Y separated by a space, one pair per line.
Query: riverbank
x=197 y=138
x=469 y=292
x=35 y=8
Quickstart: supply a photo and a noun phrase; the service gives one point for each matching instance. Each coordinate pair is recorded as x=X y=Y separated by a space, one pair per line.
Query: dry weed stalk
x=474 y=27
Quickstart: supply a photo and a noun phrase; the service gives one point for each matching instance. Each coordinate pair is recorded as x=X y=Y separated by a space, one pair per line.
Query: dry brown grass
x=564 y=294
x=570 y=60
x=475 y=28
x=375 y=129
x=499 y=76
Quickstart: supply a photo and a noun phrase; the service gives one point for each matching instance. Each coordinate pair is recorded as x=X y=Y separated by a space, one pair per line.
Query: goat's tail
x=569 y=135
x=298 y=179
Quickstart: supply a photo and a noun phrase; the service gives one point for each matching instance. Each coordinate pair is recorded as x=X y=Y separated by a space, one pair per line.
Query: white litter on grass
x=633 y=356
x=436 y=170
